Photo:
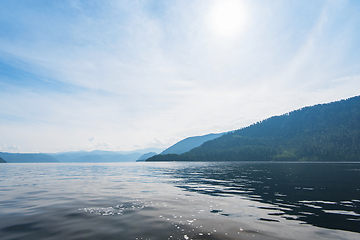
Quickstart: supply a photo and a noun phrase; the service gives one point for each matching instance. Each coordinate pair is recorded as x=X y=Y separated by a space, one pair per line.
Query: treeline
x=324 y=132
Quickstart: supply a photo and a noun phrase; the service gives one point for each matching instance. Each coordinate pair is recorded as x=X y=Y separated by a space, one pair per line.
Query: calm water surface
x=180 y=201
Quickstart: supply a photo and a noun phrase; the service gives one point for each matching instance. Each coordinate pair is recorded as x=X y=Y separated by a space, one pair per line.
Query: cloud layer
x=121 y=75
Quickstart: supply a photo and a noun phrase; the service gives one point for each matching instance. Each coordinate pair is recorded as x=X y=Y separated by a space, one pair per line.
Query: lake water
x=229 y=200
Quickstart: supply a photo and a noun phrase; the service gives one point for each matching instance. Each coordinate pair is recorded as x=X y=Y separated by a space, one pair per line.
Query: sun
x=227 y=17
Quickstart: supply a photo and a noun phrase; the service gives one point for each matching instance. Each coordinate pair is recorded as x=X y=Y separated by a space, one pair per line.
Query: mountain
x=102 y=156
x=324 y=132
x=146 y=156
x=2 y=160
x=189 y=143
x=27 y=158
x=96 y=156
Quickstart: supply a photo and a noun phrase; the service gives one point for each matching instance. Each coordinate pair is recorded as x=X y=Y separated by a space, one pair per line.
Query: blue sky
x=126 y=75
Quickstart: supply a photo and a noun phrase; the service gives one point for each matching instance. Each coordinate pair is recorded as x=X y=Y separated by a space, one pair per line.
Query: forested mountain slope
x=324 y=132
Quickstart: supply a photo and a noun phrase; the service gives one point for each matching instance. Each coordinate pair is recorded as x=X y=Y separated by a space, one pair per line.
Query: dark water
x=180 y=201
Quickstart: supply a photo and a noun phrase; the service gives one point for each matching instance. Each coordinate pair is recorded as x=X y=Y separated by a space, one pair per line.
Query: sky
x=126 y=75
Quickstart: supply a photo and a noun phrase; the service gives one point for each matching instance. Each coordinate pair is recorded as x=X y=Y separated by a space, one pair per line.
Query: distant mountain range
x=102 y=156
x=146 y=156
x=81 y=156
x=95 y=156
x=108 y=156
x=324 y=132
x=27 y=157
x=2 y=160
x=189 y=143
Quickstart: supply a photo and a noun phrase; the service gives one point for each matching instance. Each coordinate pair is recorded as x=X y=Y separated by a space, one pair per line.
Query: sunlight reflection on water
x=179 y=201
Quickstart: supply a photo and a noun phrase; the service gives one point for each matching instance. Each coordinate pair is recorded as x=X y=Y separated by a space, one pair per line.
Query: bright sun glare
x=227 y=17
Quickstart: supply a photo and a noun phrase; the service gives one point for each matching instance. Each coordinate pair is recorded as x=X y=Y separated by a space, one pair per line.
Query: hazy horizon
x=125 y=75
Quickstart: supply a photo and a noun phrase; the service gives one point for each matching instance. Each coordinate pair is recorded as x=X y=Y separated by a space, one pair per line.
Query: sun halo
x=226 y=18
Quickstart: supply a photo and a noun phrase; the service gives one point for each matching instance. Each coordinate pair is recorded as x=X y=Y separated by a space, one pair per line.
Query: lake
x=180 y=200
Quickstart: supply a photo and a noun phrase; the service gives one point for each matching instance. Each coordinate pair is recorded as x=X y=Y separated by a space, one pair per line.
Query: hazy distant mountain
x=324 y=132
x=189 y=143
x=2 y=160
x=146 y=156
x=26 y=157
x=96 y=156
x=101 y=156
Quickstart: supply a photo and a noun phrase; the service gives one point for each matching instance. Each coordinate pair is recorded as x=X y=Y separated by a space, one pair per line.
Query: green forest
x=324 y=132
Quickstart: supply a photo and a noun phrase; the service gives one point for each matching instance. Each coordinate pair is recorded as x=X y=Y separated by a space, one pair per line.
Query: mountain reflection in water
x=321 y=194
